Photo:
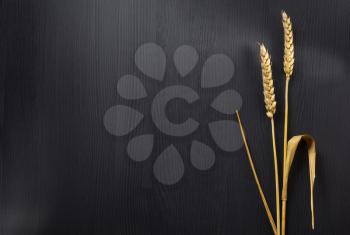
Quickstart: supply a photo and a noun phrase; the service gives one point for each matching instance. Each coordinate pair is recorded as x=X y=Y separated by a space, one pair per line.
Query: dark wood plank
x=63 y=173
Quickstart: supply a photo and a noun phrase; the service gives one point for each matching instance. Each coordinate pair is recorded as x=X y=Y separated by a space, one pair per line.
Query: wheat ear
x=288 y=58
x=270 y=105
x=269 y=89
x=288 y=66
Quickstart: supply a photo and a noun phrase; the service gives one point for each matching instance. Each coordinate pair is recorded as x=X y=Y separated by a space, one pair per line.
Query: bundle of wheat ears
x=289 y=147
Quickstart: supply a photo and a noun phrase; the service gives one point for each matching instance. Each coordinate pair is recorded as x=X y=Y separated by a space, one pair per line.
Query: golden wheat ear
x=288 y=58
x=269 y=89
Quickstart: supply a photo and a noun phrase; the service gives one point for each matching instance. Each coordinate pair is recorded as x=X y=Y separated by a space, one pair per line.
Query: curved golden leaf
x=292 y=146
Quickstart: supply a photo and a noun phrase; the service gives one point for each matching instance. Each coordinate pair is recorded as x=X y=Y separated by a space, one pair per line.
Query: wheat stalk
x=256 y=178
x=270 y=105
x=288 y=66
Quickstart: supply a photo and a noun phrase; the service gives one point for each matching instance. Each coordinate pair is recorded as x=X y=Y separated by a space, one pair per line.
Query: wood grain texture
x=63 y=173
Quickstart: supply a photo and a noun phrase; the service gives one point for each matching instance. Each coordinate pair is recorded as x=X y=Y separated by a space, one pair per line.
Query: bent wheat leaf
x=292 y=146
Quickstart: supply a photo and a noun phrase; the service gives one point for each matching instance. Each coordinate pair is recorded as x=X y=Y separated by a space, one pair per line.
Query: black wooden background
x=63 y=173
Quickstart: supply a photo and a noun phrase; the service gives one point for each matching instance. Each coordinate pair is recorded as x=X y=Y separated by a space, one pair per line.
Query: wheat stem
x=285 y=133
x=285 y=139
x=270 y=105
x=256 y=178
x=284 y=216
x=288 y=66
x=278 y=219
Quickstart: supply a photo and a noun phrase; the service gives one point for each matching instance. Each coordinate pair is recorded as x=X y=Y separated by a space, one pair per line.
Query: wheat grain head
x=288 y=58
x=269 y=89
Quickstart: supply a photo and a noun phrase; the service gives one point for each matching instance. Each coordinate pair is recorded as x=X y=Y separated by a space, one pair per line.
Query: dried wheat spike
x=269 y=90
x=288 y=58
